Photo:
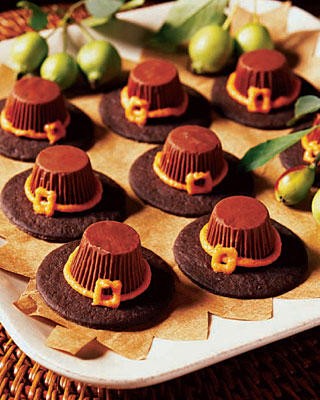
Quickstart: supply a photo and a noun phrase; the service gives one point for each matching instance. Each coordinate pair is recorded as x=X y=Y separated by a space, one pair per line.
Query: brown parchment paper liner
x=113 y=155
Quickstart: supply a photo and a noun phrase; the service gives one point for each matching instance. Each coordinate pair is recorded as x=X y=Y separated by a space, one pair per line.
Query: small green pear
x=253 y=36
x=99 y=61
x=210 y=49
x=60 y=68
x=28 y=51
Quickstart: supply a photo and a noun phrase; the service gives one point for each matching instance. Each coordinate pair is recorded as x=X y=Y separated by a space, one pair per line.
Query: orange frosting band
x=189 y=186
x=137 y=110
x=243 y=261
x=54 y=131
x=251 y=101
x=112 y=301
x=68 y=208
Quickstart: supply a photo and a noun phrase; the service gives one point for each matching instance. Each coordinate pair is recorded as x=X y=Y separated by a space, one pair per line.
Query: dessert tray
x=167 y=359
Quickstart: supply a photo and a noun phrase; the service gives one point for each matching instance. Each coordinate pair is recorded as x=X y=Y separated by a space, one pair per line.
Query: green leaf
x=303 y=106
x=38 y=19
x=103 y=8
x=186 y=17
x=263 y=152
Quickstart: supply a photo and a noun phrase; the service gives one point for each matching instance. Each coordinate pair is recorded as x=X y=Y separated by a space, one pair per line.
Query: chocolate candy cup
x=156 y=81
x=264 y=68
x=190 y=149
x=243 y=223
x=111 y=250
x=33 y=103
x=67 y=171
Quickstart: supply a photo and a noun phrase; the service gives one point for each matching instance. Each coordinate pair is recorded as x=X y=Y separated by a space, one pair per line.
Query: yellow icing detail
x=312 y=149
x=195 y=177
x=281 y=101
x=254 y=102
x=137 y=110
x=224 y=259
x=114 y=300
x=49 y=129
x=68 y=208
x=190 y=186
x=55 y=131
x=44 y=201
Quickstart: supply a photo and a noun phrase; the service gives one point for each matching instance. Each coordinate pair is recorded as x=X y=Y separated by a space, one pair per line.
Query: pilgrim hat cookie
x=261 y=91
x=189 y=174
x=61 y=196
x=305 y=151
x=107 y=280
x=153 y=103
x=35 y=115
x=238 y=251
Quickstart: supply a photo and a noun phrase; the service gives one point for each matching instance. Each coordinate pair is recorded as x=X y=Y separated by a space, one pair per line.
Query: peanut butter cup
x=261 y=91
x=62 y=179
x=189 y=174
x=263 y=81
x=109 y=257
x=61 y=195
x=107 y=280
x=238 y=251
x=36 y=109
x=153 y=102
x=36 y=115
x=191 y=160
x=240 y=225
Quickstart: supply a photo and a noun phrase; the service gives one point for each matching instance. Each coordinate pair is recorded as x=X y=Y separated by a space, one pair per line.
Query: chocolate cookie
x=61 y=227
x=80 y=133
x=153 y=191
x=287 y=272
x=141 y=312
x=157 y=129
x=275 y=119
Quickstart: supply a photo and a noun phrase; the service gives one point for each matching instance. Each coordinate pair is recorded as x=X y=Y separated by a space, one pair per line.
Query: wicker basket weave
x=288 y=369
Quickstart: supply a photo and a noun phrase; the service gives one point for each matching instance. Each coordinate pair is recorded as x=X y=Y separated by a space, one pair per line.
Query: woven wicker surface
x=288 y=369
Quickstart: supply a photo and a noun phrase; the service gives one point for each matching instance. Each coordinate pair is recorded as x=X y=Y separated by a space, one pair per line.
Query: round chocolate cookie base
x=80 y=133
x=149 y=187
x=142 y=312
x=293 y=156
x=157 y=129
x=287 y=272
x=61 y=227
x=276 y=119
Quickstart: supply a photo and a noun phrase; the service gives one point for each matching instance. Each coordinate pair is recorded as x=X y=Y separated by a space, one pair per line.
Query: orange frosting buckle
x=312 y=149
x=224 y=259
x=44 y=201
x=259 y=100
x=137 y=110
x=114 y=300
x=53 y=131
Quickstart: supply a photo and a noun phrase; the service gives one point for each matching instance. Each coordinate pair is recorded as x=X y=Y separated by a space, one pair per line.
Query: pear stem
x=255 y=18
x=64 y=37
x=227 y=22
x=85 y=32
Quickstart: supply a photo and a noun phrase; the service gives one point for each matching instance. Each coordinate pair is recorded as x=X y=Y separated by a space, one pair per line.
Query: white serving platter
x=167 y=359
